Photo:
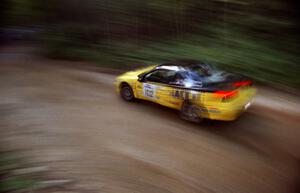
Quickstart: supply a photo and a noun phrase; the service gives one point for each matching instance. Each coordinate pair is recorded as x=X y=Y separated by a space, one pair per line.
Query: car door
x=148 y=88
x=155 y=87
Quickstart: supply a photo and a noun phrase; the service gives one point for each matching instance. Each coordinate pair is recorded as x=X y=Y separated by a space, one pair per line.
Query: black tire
x=127 y=93
x=189 y=112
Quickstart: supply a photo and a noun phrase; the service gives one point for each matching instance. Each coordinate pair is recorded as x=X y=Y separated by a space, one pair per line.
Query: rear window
x=202 y=70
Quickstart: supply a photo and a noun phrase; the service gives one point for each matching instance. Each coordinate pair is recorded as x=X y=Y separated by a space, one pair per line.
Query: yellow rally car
x=196 y=89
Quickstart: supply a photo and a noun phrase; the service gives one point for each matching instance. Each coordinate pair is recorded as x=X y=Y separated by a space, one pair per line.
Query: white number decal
x=149 y=90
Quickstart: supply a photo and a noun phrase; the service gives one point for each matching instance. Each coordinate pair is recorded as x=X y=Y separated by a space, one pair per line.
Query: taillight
x=225 y=95
x=242 y=83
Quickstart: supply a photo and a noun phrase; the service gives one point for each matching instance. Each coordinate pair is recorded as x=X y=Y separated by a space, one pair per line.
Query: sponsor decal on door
x=149 y=90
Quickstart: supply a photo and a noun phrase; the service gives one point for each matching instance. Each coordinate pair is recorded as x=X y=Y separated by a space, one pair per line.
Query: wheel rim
x=190 y=113
x=126 y=93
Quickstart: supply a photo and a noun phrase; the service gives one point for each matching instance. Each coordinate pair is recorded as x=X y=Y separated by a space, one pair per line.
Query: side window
x=161 y=76
x=177 y=79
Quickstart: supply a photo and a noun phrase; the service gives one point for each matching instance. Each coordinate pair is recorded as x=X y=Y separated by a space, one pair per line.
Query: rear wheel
x=190 y=112
x=127 y=92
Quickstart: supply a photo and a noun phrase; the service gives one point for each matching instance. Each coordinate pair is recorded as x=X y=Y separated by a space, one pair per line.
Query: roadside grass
x=11 y=180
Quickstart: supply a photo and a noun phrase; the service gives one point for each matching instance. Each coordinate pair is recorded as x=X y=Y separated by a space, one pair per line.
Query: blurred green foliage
x=9 y=180
x=256 y=38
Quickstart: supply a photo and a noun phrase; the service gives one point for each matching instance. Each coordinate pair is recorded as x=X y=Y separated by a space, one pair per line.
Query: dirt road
x=73 y=121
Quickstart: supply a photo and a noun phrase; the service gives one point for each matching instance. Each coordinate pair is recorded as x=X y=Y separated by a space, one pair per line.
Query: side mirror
x=141 y=77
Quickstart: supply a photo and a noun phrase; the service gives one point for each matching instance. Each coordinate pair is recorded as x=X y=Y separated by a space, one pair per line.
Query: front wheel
x=189 y=112
x=127 y=93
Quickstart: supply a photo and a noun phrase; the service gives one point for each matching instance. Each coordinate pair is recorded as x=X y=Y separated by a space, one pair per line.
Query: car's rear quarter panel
x=215 y=108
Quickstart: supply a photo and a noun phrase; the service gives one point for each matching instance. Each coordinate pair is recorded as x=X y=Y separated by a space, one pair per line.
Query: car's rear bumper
x=225 y=114
x=231 y=110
